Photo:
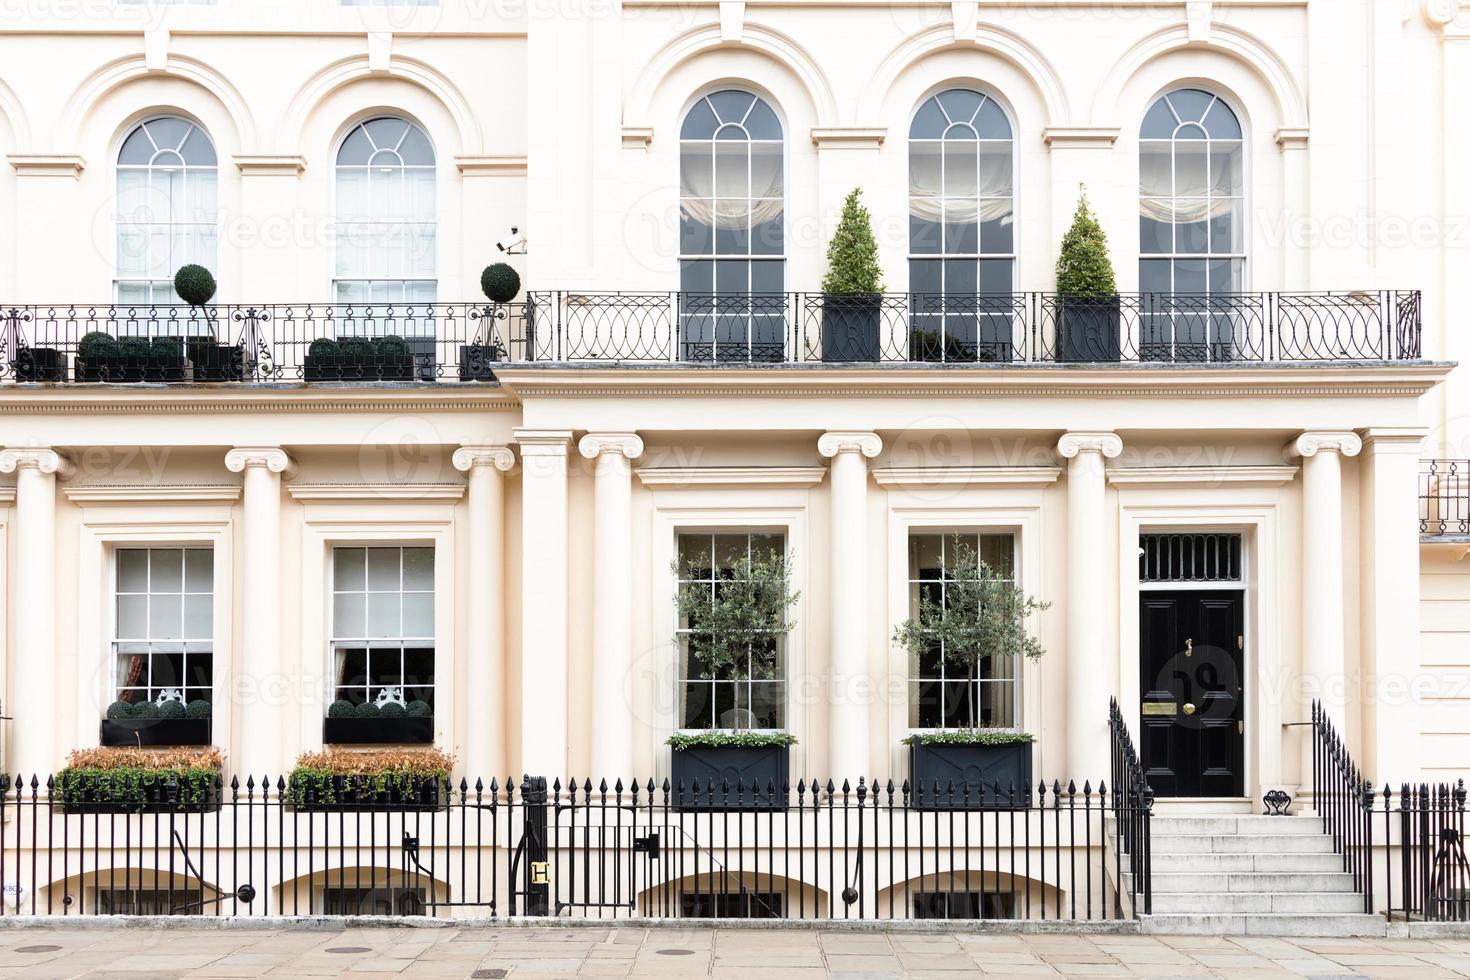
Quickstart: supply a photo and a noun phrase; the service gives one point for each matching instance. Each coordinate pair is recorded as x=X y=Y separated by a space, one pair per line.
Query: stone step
x=1240 y=844
x=1209 y=825
x=1207 y=806
x=1210 y=863
x=1250 y=881
x=1265 y=925
x=1258 y=903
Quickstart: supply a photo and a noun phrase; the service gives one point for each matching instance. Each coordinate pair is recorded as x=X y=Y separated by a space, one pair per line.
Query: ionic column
x=1090 y=655
x=543 y=696
x=847 y=739
x=261 y=685
x=1323 y=630
x=32 y=660
x=612 y=601
x=485 y=703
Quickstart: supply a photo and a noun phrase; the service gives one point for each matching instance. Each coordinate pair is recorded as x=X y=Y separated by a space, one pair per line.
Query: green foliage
x=135 y=347
x=340 y=709
x=172 y=710
x=323 y=347
x=145 y=709
x=335 y=776
x=852 y=255
x=167 y=348
x=198 y=709
x=969 y=736
x=194 y=285
x=500 y=283
x=419 y=709
x=731 y=740
x=365 y=710
x=356 y=348
x=97 y=345
x=744 y=617
x=983 y=616
x=391 y=347
x=119 y=711
x=1083 y=266
x=392 y=709
x=132 y=787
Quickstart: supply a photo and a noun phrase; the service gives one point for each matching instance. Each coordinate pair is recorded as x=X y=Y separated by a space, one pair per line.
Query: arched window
x=386 y=214
x=168 y=208
x=732 y=268
x=962 y=238
x=1191 y=196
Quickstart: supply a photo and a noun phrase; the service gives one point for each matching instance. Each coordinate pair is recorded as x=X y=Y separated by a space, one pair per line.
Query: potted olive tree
x=852 y=290
x=982 y=616
x=212 y=360
x=734 y=633
x=500 y=284
x=1089 y=316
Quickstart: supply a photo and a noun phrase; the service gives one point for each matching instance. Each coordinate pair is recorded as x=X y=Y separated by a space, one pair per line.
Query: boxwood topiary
x=198 y=709
x=357 y=348
x=166 y=347
x=340 y=709
x=365 y=710
x=145 y=709
x=324 y=347
x=194 y=285
x=119 y=711
x=500 y=283
x=391 y=347
x=392 y=709
x=172 y=710
x=418 y=709
x=135 y=347
x=97 y=344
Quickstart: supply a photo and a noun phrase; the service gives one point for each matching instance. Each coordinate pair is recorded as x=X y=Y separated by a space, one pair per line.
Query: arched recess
x=756 y=894
x=86 y=890
x=339 y=890
x=86 y=104
x=970 y=894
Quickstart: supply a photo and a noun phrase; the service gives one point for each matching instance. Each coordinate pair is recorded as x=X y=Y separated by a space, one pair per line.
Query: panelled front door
x=1192 y=676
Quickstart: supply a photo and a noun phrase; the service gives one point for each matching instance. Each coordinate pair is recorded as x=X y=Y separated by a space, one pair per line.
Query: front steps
x=1234 y=873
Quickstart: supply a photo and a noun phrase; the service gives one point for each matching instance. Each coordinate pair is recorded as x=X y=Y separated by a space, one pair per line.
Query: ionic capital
x=47 y=461
x=832 y=443
x=1309 y=444
x=1106 y=444
x=594 y=444
x=270 y=458
x=466 y=458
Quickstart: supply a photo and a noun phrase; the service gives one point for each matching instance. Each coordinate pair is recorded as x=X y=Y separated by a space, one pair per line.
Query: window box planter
x=1089 y=328
x=348 y=367
x=39 y=364
x=475 y=362
x=730 y=777
x=132 y=780
x=378 y=731
x=156 y=731
x=850 y=328
x=358 y=794
x=217 y=362
x=975 y=770
x=125 y=369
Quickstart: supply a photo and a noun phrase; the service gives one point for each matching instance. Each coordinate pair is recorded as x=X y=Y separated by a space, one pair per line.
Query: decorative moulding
x=491 y=166
x=1095 y=137
x=466 y=458
x=177 y=493
x=270 y=165
x=964 y=14
x=594 y=444
x=377 y=491
x=1293 y=136
x=732 y=20
x=637 y=137
x=829 y=444
x=47 y=164
x=7 y=495
x=273 y=458
x=848 y=137
x=1201 y=476
x=1074 y=444
x=1309 y=444
x=968 y=476
x=47 y=461
x=665 y=477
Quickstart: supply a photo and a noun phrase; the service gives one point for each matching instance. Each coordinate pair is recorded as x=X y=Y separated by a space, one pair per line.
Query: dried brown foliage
x=120 y=757
x=346 y=762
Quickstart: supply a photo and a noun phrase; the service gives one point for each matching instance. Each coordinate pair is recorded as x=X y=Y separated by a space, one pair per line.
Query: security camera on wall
x=514 y=245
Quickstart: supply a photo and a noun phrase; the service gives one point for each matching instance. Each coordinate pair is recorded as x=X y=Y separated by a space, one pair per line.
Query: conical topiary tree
x=852 y=255
x=1083 y=266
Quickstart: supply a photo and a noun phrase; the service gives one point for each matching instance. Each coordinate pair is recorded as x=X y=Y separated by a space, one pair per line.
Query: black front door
x=1192 y=676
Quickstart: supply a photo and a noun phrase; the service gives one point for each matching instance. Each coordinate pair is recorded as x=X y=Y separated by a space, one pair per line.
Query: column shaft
x=485 y=701
x=543 y=694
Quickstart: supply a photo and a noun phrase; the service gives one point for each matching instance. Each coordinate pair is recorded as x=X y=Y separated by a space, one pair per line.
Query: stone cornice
x=61 y=400
x=47 y=164
x=1074 y=444
x=272 y=458
x=848 y=137
x=466 y=458
x=1093 y=137
x=7 y=495
x=637 y=137
x=1403 y=439
x=491 y=166
x=594 y=444
x=377 y=491
x=270 y=165
x=47 y=461
x=542 y=442
x=730 y=476
x=177 y=493
x=1293 y=136
x=1178 y=477
x=830 y=444
x=919 y=477
x=1309 y=444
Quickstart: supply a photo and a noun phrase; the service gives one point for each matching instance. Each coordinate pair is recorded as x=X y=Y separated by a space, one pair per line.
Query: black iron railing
x=465 y=342
x=1343 y=798
x=824 y=851
x=1133 y=802
x=1426 y=824
x=1444 y=498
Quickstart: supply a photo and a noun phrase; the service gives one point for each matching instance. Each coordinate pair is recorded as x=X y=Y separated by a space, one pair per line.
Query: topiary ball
x=340 y=709
x=357 y=348
x=172 y=710
x=198 y=709
x=365 y=710
x=500 y=283
x=145 y=709
x=135 y=347
x=97 y=344
x=119 y=711
x=418 y=709
x=391 y=346
x=194 y=285
x=323 y=347
x=392 y=709
x=166 y=347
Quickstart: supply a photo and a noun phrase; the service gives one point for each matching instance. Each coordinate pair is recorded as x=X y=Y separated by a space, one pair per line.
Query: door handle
x=1189 y=648
x=1188 y=708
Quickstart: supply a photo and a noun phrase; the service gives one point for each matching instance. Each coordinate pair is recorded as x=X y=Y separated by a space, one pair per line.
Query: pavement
x=488 y=953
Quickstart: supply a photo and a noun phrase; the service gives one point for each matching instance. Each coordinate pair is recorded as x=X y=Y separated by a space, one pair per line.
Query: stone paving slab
x=521 y=953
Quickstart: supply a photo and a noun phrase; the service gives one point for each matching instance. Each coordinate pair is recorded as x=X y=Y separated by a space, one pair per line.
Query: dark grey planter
x=850 y=328
x=981 y=776
x=730 y=778
x=122 y=369
x=378 y=731
x=347 y=367
x=1089 y=328
x=217 y=362
x=39 y=364
x=156 y=731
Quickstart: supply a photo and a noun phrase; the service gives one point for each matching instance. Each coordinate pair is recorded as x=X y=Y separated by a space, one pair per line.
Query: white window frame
x=381 y=226
x=370 y=644
x=151 y=690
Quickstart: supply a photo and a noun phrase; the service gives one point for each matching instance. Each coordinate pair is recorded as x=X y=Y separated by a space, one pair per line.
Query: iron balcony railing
x=1444 y=498
x=465 y=341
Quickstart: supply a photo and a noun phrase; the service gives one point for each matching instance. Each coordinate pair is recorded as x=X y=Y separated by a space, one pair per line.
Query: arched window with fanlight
x=1192 y=234
x=387 y=221
x=962 y=238
x=732 y=266
x=167 y=208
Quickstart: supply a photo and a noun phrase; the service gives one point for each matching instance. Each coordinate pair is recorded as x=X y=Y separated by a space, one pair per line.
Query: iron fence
x=466 y=341
x=1133 y=802
x=813 y=850
x=1444 y=497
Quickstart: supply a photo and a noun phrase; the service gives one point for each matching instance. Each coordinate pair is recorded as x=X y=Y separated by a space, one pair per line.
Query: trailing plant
x=330 y=776
x=97 y=345
x=500 y=283
x=969 y=736
x=1083 y=266
x=733 y=628
x=731 y=740
x=135 y=777
x=852 y=254
x=194 y=285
